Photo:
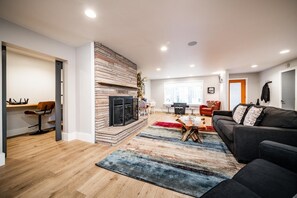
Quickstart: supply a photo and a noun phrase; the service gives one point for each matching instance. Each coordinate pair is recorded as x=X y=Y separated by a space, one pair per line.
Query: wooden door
x=237 y=92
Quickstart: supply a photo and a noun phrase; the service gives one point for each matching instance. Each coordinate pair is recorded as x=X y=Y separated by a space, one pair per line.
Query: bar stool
x=43 y=108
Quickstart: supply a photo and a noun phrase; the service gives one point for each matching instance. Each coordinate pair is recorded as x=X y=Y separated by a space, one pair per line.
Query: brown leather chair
x=43 y=108
x=210 y=107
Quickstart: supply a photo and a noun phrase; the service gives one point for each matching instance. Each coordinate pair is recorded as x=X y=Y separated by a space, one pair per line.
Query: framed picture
x=210 y=90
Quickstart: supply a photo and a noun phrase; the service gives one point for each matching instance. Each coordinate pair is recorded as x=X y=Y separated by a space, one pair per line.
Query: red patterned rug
x=178 y=125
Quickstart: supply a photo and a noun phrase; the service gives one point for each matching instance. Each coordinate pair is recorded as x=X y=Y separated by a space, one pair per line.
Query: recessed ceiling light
x=192 y=43
x=90 y=13
x=254 y=66
x=164 y=48
x=168 y=76
x=190 y=75
x=192 y=65
x=158 y=69
x=284 y=51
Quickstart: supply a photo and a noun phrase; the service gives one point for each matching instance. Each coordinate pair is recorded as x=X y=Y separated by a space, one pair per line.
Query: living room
x=195 y=47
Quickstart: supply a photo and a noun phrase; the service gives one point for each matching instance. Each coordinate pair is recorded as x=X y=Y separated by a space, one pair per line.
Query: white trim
x=2 y=159
x=68 y=136
x=19 y=131
x=280 y=80
x=86 y=137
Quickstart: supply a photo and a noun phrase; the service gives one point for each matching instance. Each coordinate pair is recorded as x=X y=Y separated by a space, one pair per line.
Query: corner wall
x=274 y=74
x=85 y=95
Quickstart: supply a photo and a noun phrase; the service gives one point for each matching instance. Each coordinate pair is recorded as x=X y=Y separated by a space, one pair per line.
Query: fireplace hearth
x=122 y=110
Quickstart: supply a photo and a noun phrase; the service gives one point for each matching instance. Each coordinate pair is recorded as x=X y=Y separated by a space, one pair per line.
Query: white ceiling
x=231 y=34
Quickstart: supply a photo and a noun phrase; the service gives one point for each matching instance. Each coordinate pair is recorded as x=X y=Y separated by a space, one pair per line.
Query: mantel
x=117 y=85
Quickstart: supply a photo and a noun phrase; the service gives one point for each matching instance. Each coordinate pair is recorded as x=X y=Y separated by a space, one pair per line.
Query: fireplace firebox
x=123 y=110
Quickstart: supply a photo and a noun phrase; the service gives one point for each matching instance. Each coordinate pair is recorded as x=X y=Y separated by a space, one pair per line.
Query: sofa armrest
x=224 y=113
x=280 y=154
x=248 y=138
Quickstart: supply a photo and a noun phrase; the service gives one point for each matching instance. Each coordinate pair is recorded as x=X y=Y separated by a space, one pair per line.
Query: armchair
x=210 y=107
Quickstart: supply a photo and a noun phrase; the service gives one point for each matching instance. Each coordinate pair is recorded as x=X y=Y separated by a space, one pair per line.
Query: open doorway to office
x=237 y=92
x=30 y=75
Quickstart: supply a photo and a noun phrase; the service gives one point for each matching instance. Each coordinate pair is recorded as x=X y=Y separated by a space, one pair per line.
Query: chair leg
x=40 y=131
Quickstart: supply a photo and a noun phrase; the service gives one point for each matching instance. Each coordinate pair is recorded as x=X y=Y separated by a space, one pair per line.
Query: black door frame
x=4 y=113
x=58 y=112
x=58 y=115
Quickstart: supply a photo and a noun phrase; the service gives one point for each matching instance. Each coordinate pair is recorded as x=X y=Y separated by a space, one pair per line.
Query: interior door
x=288 y=89
x=237 y=92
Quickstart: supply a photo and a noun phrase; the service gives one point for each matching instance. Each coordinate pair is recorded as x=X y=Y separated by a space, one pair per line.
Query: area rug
x=178 y=125
x=158 y=156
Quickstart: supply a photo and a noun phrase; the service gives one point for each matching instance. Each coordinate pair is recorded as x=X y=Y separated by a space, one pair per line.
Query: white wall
x=147 y=89
x=253 y=85
x=85 y=72
x=30 y=77
x=274 y=74
x=19 y=36
x=157 y=88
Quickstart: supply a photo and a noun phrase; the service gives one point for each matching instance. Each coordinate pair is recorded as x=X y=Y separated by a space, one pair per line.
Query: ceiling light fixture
x=254 y=66
x=90 y=13
x=192 y=43
x=168 y=76
x=284 y=51
x=164 y=48
x=192 y=65
x=158 y=69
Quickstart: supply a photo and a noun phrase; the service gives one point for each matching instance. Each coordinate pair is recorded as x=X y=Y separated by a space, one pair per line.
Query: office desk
x=21 y=106
x=18 y=122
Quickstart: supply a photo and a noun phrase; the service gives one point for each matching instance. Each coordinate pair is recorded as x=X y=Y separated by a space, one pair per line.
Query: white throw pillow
x=238 y=114
x=252 y=116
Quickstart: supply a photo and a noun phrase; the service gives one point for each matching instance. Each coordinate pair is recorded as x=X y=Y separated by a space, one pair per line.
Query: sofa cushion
x=254 y=116
x=239 y=113
x=226 y=126
x=275 y=117
x=230 y=188
x=221 y=117
x=267 y=179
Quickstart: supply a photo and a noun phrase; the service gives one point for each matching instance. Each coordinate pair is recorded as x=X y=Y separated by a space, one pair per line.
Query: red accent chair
x=210 y=107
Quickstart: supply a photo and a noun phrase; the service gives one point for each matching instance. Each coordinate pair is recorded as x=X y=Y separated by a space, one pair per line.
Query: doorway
x=288 y=89
x=18 y=110
x=237 y=92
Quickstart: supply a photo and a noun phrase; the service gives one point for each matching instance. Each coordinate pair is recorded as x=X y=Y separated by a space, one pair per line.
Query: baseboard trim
x=2 y=159
x=68 y=136
x=86 y=137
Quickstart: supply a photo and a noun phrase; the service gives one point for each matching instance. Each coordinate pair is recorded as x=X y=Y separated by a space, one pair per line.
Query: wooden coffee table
x=190 y=127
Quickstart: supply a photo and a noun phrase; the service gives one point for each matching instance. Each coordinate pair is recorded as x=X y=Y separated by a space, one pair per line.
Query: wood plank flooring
x=38 y=166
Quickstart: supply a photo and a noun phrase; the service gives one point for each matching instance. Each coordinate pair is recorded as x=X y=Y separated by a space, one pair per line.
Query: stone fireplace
x=115 y=96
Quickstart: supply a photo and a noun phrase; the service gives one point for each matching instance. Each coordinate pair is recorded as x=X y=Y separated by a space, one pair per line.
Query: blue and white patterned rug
x=158 y=156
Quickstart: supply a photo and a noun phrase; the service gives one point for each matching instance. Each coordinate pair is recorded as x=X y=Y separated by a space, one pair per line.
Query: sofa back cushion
x=276 y=117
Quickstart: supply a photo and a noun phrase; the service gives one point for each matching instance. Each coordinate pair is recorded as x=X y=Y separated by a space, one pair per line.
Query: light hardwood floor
x=38 y=166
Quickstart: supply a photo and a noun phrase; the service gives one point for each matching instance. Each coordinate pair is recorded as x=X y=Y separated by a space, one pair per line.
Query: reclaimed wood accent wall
x=115 y=75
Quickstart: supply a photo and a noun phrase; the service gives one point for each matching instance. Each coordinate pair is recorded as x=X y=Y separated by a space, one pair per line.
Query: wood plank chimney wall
x=115 y=75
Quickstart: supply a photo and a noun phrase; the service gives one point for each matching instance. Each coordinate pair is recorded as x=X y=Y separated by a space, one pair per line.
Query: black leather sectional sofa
x=276 y=125
x=273 y=175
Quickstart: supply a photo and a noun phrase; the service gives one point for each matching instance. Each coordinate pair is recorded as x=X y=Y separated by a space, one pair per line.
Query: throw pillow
x=239 y=113
x=253 y=116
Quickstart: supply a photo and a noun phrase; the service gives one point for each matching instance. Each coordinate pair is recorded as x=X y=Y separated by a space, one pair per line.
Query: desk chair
x=43 y=108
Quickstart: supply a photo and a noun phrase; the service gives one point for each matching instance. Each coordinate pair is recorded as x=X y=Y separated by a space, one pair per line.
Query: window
x=188 y=92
